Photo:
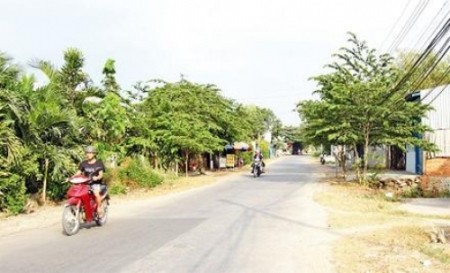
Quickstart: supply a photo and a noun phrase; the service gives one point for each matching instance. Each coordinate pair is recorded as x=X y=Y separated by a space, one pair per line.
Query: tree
x=357 y=106
x=187 y=119
x=71 y=75
x=110 y=84
x=432 y=72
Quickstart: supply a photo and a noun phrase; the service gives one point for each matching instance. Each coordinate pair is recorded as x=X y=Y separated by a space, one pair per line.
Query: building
x=438 y=120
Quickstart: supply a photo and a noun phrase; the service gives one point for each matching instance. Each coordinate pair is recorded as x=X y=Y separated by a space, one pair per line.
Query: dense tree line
x=43 y=128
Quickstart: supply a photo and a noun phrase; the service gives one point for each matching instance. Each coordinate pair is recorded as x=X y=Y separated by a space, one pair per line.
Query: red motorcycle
x=81 y=208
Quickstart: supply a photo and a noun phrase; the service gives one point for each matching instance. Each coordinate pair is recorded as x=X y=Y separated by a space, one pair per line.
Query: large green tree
x=188 y=119
x=358 y=107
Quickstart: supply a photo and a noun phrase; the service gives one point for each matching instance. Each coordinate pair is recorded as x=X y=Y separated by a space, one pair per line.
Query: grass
x=378 y=235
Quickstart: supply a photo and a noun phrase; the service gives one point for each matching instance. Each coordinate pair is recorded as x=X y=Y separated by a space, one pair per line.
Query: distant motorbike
x=257 y=168
x=322 y=159
x=81 y=207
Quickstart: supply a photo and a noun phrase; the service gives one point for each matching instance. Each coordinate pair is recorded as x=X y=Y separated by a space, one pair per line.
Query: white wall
x=411 y=160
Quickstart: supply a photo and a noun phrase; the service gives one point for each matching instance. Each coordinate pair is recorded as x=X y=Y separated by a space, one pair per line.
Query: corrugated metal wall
x=439 y=118
x=442 y=140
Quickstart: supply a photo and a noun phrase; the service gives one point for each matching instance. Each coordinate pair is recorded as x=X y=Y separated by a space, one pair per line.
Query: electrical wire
x=420 y=7
x=444 y=75
x=396 y=23
x=439 y=56
x=433 y=33
x=435 y=40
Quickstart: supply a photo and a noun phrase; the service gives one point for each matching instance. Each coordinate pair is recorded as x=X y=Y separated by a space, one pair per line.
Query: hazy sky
x=257 y=51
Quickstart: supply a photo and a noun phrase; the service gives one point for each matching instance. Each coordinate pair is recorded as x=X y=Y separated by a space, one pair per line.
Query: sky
x=260 y=52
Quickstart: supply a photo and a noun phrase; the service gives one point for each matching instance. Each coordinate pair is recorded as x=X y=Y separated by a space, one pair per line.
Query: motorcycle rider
x=93 y=168
x=256 y=158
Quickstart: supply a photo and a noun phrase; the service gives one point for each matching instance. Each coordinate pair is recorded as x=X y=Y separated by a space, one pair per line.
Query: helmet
x=90 y=149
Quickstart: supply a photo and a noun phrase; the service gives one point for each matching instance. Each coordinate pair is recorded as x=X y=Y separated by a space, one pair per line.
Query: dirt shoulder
x=380 y=235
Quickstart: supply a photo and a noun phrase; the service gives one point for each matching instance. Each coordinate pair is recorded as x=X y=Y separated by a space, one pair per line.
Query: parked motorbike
x=257 y=168
x=80 y=207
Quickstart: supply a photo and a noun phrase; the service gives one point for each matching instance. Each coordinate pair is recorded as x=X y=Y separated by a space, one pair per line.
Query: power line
x=439 y=56
x=440 y=92
x=424 y=31
x=435 y=40
x=439 y=82
x=420 y=7
x=433 y=34
x=396 y=23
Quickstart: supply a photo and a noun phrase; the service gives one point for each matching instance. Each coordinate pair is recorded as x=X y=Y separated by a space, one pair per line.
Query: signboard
x=230 y=160
x=222 y=162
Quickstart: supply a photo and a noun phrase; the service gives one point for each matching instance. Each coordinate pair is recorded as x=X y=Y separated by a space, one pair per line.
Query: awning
x=238 y=146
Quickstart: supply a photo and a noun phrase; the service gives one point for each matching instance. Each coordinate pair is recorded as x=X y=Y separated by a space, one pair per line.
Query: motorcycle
x=80 y=207
x=257 y=168
x=322 y=159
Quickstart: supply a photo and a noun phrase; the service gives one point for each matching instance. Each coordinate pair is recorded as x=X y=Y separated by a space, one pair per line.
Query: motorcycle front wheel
x=71 y=220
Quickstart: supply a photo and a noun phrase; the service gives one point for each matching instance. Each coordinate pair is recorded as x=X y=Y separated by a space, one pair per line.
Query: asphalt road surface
x=239 y=224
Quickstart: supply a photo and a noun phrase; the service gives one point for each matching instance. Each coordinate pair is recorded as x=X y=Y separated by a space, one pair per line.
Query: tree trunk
x=44 y=187
x=358 y=164
x=186 y=163
x=156 y=161
x=343 y=161
x=200 y=164
x=176 y=167
x=366 y=153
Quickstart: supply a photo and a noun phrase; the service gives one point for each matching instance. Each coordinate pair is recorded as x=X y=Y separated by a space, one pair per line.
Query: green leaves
x=42 y=129
x=357 y=105
x=109 y=82
x=188 y=116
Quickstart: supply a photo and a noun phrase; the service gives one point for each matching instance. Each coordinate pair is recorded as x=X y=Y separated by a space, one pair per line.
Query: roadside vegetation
x=143 y=135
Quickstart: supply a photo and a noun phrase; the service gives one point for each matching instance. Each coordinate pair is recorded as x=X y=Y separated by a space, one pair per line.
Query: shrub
x=247 y=157
x=117 y=188
x=136 y=172
x=412 y=193
x=12 y=197
x=264 y=148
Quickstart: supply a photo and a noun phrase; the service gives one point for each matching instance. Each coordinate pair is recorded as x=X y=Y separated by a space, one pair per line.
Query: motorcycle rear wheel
x=71 y=220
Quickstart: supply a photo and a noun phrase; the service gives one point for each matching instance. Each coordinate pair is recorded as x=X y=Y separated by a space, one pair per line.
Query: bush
x=138 y=173
x=412 y=193
x=264 y=148
x=247 y=157
x=117 y=188
x=13 y=197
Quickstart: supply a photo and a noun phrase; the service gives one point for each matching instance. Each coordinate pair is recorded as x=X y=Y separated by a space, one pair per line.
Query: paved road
x=240 y=224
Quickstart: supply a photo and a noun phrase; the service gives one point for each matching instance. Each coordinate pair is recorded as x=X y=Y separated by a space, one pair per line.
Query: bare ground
x=379 y=236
